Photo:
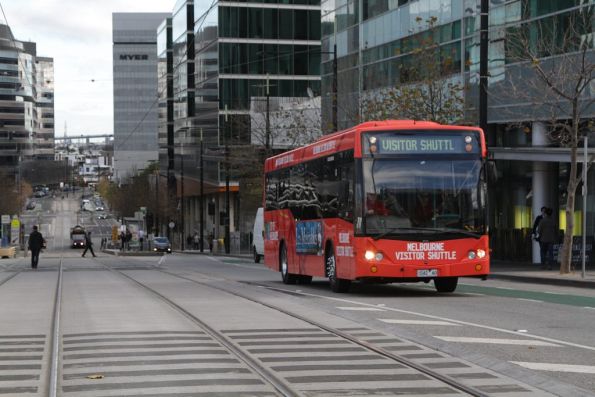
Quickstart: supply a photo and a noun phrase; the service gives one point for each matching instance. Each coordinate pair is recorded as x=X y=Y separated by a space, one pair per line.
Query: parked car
x=258 y=236
x=31 y=205
x=102 y=216
x=161 y=244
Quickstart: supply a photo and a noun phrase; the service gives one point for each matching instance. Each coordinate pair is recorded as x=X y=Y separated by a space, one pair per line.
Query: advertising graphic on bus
x=387 y=201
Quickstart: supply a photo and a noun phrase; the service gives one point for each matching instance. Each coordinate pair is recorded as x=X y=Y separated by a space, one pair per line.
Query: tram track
x=267 y=375
x=281 y=386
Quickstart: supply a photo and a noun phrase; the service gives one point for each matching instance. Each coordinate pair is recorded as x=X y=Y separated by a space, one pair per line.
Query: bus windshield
x=424 y=197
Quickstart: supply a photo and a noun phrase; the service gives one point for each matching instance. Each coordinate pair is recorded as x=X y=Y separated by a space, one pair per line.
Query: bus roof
x=346 y=139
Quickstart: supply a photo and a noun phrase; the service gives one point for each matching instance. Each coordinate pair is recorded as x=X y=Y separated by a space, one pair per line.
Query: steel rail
x=278 y=384
x=379 y=350
x=55 y=352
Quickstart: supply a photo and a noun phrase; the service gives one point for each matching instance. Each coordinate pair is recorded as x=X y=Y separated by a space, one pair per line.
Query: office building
x=135 y=87
x=375 y=43
x=26 y=103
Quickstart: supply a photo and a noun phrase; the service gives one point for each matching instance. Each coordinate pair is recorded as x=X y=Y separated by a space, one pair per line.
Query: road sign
x=15 y=230
x=171 y=225
x=5 y=219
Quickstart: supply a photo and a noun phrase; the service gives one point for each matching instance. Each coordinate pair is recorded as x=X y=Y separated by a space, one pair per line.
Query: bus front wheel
x=337 y=284
x=446 y=284
x=287 y=277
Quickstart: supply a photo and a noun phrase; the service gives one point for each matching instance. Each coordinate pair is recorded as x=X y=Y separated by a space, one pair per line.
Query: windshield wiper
x=428 y=229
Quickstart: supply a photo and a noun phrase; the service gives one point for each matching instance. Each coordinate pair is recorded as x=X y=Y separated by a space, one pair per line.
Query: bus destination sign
x=422 y=143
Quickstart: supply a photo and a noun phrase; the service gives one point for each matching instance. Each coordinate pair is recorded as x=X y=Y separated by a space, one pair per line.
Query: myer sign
x=134 y=57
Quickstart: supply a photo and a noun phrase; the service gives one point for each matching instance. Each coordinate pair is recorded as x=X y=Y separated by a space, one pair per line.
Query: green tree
x=558 y=53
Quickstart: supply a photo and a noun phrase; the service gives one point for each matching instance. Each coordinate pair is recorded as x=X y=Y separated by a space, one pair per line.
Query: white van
x=258 y=236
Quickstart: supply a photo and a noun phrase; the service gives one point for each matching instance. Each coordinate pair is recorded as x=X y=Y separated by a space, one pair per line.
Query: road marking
x=589 y=307
x=487 y=327
x=495 y=341
x=529 y=300
x=417 y=322
x=359 y=309
x=582 y=369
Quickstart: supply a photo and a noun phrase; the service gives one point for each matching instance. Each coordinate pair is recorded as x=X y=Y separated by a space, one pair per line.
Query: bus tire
x=338 y=285
x=288 y=278
x=446 y=284
x=256 y=256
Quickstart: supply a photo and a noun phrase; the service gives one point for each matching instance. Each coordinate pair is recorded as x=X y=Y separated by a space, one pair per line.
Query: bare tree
x=427 y=86
x=554 y=75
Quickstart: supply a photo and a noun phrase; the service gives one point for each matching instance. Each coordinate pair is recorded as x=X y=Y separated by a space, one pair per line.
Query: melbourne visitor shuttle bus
x=386 y=201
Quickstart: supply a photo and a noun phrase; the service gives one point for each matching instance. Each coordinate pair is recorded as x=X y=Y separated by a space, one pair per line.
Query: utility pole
x=227 y=217
x=201 y=203
x=483 y=66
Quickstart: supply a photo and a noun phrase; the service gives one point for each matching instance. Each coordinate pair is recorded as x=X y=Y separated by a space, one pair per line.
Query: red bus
x=384 y=201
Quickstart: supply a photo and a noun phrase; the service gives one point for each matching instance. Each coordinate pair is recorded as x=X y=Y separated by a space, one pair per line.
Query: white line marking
x=417 y=322
x=582 y=369
x=589 y=307
x=360 y=309
x=529 y=300
x=495 y=341
x=507 y=331
x=472 y=294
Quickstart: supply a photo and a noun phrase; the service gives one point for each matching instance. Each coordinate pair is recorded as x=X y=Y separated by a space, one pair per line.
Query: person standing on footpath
x=88 y=244
x=547 y=236
x=35 y=245
x=538 y=219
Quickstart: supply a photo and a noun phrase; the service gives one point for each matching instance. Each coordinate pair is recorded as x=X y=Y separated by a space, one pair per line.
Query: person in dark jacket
x=88 y=244
x=538 y=219
x=35 y=245
x=547 y=236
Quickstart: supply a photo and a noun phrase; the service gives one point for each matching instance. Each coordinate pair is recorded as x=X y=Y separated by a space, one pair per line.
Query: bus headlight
x=481 y=253
x=379 y=256
x=471 y=255
x=369 y=255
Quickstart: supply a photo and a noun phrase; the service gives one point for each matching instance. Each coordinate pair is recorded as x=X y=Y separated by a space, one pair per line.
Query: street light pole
x=483 y=66
x=335 y=122
x=201 y=203
x=268 y=120
x=182 y=193
x=585 y=192
x=227 y=217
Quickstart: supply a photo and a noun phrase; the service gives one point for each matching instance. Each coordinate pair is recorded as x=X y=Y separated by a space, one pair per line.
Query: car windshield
x=161 y=240
x=423 y=196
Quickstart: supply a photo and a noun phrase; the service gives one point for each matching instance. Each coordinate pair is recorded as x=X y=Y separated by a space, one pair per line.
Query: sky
x=78 y=35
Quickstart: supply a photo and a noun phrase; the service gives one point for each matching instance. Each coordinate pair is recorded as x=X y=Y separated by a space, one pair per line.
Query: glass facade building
x=135 y=87
x=222 y=56
x=26 y=103
x=377 y=41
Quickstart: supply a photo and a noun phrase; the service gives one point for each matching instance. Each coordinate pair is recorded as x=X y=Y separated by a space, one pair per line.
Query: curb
x=544 y=280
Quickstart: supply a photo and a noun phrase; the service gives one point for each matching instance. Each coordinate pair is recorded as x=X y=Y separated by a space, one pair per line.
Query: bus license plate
x=427 y=273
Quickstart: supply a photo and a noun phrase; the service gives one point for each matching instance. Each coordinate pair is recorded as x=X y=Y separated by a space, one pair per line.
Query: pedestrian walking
x=141 y=239
x=546 y=230
x=35 y=245
x=196 y=239
x=128 y=238
x=88 y=245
